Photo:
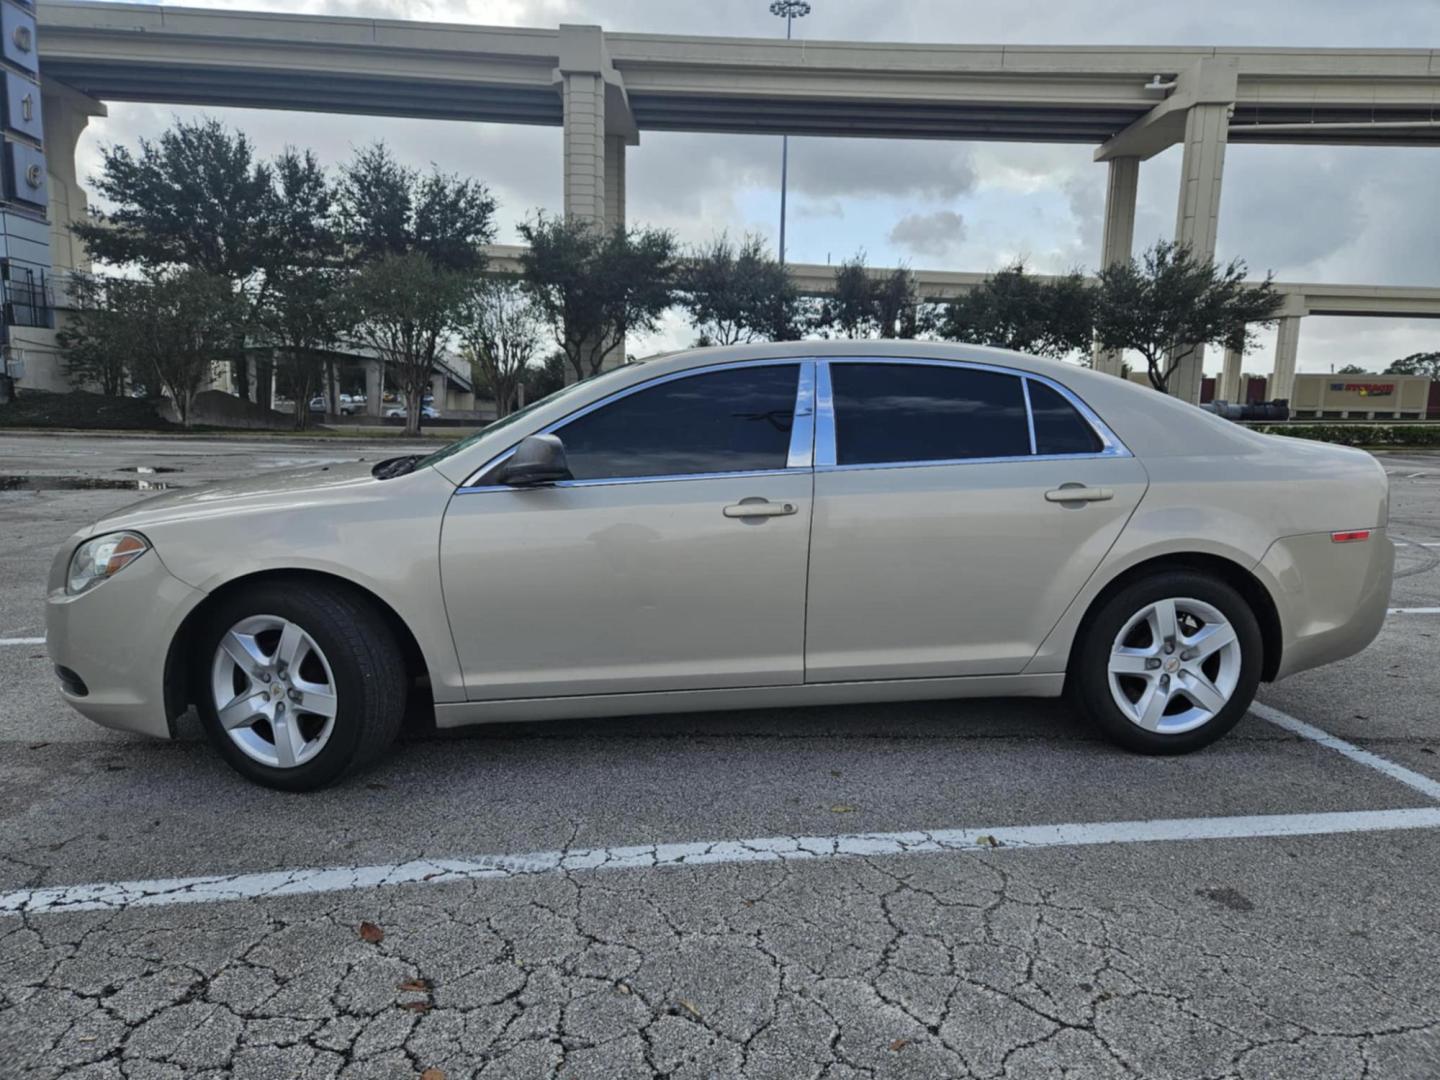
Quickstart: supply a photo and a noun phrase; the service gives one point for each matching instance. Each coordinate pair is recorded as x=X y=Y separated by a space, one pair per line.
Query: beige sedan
x=799 y=524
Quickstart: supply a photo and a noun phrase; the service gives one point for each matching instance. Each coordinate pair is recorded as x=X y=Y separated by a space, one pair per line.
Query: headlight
x=101 y=558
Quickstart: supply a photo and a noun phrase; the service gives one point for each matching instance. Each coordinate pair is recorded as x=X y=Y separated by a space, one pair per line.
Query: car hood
x=285 y=489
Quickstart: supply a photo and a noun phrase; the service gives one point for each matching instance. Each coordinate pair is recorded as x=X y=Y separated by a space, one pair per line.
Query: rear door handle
x=1079 y=493
x=752 y=508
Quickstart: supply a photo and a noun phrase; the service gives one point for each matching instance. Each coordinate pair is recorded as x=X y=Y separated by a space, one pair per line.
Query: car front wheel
x=298 y=683
x=1169 y=664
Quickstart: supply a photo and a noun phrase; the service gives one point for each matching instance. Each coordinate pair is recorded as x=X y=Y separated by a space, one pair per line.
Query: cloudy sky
x=1336 y=214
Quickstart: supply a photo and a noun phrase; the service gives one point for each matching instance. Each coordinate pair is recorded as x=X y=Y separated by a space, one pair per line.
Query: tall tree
x=850 y=308
x=196 y=198
x=99 y=338
x=1170 y=301
x=501 y=326
x=1013 y=309
x=182 y=320
x=386 y=208
x=1420 y=363
x=301 y=311
x=402 y=307
x=594 y=286
x=738 y=294
x=897 y=304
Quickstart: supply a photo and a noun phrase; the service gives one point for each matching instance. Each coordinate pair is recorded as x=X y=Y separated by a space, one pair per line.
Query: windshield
x=519 y=414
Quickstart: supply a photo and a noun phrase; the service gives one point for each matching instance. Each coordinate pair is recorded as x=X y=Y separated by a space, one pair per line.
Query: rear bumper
x=1332 y=598
x=115 y=638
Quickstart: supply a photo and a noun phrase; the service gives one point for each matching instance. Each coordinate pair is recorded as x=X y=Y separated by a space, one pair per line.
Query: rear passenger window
x=1059 y=427
x=926 y=412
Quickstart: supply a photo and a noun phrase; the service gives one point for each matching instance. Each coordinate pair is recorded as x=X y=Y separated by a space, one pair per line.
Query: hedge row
x=1360 y=434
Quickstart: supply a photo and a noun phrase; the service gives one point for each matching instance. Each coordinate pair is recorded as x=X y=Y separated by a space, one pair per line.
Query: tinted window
x=1059 y=427
x=921 y=412
x=726 y=421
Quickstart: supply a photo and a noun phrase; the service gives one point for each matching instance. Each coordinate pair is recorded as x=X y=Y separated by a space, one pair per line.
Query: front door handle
x=754 y=508
x=1079 y=493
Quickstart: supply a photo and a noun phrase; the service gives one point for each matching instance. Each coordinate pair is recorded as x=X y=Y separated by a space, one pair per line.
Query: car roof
x=1150 y=424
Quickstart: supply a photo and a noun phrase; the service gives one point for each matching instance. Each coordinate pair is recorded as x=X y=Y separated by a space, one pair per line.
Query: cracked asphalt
x=1303 y=956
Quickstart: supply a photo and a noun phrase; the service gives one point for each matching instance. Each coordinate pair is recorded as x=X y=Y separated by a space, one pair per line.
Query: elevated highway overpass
x=604 y=89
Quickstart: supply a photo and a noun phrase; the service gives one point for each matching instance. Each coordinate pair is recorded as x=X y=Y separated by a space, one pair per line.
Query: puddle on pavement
x=78 y=483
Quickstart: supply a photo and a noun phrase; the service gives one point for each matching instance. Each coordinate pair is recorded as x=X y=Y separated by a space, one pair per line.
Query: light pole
x=789 y=10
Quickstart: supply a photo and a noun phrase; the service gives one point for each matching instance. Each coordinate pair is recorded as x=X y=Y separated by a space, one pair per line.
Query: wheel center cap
x=277 y=690
x=1172 y=664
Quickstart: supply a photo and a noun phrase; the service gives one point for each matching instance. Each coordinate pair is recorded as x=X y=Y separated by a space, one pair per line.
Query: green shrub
x=1359 y=434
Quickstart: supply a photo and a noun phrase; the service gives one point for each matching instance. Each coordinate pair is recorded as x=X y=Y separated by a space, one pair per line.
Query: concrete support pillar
x=1117 y=243
x=585 y=146
x=1229 y=386
x=1281 y=384
x=1198 y=214
x=374 y=387
x=65 y=112
x=438 y=383
x=614 y=181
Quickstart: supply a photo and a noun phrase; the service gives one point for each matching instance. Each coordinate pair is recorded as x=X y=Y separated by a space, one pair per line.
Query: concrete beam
x=1211 y=82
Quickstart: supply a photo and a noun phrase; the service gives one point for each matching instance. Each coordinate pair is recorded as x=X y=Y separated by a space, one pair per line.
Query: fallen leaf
x=433 y=1073
x=690 y=1008
x=842 y=808
x=622 y=988
x=371 y=933
x=416 y=1006
x=899 y=1044
x=419 y=986
x=987 y=841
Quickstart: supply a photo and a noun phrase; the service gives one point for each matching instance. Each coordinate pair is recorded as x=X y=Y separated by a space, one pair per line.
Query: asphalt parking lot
x=945 y=889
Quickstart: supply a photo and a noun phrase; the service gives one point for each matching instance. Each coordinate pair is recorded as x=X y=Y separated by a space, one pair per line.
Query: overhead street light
x=789 y=10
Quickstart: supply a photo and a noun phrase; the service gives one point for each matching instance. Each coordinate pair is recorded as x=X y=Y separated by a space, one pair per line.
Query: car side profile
x=764 y=525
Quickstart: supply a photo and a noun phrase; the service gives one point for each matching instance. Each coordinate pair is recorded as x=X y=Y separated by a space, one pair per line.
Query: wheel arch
x=1250 y=587
x=179 y=688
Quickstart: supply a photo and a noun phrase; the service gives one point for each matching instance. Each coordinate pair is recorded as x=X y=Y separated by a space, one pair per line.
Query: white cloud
x=936 y=234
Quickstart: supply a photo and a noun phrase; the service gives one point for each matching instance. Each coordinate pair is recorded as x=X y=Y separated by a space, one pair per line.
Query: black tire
x=1087 y=681
x=369 y=674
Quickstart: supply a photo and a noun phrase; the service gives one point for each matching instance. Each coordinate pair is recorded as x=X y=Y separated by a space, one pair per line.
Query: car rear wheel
x=1169 y=664
x=297 y=684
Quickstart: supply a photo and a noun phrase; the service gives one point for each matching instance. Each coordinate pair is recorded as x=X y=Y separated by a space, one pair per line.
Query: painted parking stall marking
x=199 y=890
x=157 y=892
x=22 y=641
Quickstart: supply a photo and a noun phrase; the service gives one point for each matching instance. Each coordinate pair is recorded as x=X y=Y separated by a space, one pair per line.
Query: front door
x=675 y=560
x=945 y=540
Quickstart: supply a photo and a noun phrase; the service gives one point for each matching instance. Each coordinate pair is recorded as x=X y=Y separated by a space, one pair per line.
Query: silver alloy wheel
x=1174 y=665
x=273 y=691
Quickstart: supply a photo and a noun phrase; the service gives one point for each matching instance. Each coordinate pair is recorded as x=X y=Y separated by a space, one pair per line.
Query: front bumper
x=1332 y=598
x=116 y=638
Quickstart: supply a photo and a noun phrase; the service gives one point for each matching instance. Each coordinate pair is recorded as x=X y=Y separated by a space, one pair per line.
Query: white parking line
x=111 y=896
x=1408 y=777
x=1413 y=611
x=22 y=641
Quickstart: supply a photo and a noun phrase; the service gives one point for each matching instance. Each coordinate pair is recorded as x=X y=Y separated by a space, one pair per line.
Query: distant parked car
x=750 y=527
x=427 y=412
x=347 y=405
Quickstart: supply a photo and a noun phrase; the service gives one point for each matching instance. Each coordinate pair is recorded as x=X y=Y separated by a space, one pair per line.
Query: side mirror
x=538 y=459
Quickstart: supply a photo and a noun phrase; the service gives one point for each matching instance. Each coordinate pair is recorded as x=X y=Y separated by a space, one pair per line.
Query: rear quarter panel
x=1235 y=506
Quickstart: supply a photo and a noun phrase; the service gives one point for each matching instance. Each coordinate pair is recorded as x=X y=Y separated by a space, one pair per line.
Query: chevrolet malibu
x=764 y=525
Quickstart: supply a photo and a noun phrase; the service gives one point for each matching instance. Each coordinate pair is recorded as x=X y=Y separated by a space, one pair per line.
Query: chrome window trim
x=824 y=418
x=825 y=446
x=612 y=481
x=1029 y=413
x=802 y=424
x=470 y=487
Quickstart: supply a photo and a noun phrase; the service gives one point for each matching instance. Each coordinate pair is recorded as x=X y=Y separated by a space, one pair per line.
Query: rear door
x=958 y=510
